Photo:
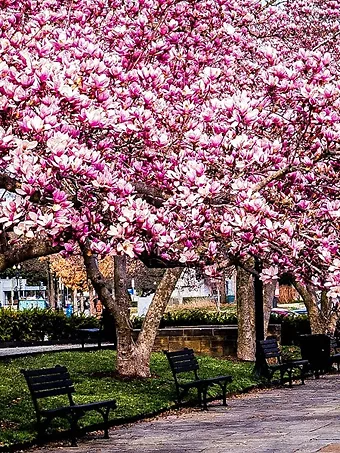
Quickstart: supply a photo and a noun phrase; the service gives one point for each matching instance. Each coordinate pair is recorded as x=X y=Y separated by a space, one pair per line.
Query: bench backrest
x=334 y=344
x=48 y=382
x=270 y=349
x=182 y=361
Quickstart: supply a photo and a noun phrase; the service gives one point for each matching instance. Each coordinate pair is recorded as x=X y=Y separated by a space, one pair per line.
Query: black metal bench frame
x=51 y=382
x=184 y=361
x=269 y=350
x=90 y=333
x=335 y=352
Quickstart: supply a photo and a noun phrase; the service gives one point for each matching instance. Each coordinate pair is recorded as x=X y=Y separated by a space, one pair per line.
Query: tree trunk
x=246 y=315
x=322 y=320
x=91 y=298
x=133 y=358
x=147 y=335
x=127 y=355
x=223 y=295
x=268 y=295
x=287 y=294
x=81 y=300
x=74 y=294
x=51 y=289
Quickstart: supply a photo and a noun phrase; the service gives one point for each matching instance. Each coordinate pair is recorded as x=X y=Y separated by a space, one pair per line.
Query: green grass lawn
x=94 y=380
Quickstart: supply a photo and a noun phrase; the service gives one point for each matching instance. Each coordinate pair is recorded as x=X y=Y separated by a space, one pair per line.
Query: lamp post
x=259 y=318
x=17 y=283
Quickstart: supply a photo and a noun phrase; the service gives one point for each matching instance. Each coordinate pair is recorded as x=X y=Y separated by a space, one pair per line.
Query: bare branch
x=326 y=41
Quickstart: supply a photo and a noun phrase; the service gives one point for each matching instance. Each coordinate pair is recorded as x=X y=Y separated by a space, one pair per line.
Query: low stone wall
x=213 y=340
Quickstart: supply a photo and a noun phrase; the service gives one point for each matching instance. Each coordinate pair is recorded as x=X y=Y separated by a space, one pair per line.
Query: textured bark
x=51 y=289
x=223 y=294
x=24 y=250
x=268 y=295
x=133 y=358
x=127 y=356
x=147 y=335
x=246 y=315
x=8 y=183
x=91 y=298
x=322 y=320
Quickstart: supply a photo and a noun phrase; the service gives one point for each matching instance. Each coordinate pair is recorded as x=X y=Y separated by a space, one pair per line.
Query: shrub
x=35 y=324
x=291 y=326
x=192 y=317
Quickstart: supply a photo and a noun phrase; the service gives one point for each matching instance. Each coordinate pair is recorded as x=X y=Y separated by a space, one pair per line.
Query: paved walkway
x=11 y=353
x=303 y=419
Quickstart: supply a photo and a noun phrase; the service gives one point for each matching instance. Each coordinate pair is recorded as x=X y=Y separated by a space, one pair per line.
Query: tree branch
x=152 y=195
x=97 y=279
x=8 y=183
x=326 y=41
x=24 y=250
x=272 y=177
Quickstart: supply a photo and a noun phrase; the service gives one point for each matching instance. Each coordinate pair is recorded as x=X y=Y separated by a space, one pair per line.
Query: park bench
x=90 y=334
x=52 y=382
x=335 y=352
x=184 y=361
x=272 y=361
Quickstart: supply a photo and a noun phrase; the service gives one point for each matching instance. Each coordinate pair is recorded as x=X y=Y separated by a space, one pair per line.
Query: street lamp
x=18 y=282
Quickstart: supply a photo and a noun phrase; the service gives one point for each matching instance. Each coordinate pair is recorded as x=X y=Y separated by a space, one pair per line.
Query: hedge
x=291 y=326
x=38 y=325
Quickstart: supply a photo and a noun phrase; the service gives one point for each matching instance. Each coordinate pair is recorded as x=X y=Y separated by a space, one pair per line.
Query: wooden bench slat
x=53 y=392
x=184 y=365
x=49 y=378
x=182 y=359
x=45 y=371
x=80 y=408
x=271 y=349
x=178 y=358
x=187 y=358
x=62 y=384
x=183 y=352
x=272 y=355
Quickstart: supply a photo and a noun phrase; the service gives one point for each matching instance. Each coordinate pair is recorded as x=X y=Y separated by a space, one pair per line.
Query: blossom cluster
x=193 y=130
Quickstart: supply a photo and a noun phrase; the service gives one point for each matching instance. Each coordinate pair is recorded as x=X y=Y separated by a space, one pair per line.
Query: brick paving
x=302 y=419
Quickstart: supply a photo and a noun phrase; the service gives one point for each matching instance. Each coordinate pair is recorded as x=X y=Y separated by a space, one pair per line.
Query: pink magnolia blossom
x=204 y=137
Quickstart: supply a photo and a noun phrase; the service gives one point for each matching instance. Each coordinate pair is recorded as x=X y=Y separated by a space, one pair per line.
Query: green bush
x=192 y=317
x=291 y=326
x=35 y=324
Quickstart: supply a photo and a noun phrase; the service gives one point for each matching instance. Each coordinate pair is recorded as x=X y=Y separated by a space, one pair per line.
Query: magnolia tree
x=176 y=132
x=323 y=307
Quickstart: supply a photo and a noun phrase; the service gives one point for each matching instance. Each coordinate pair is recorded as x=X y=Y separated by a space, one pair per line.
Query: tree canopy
x=193 y=131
